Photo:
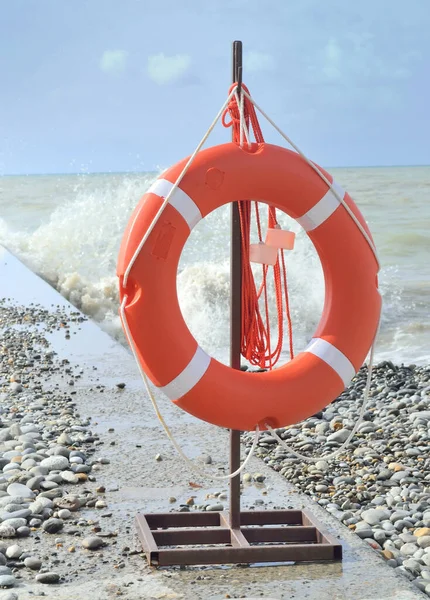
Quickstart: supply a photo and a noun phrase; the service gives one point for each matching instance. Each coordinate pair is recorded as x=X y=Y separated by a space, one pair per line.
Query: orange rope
x=256 y=344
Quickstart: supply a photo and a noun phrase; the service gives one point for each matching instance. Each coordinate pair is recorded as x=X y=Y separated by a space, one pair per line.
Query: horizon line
x=84 y=173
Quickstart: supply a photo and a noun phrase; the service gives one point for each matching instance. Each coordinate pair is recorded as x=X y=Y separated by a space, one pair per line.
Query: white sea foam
x=69 y=229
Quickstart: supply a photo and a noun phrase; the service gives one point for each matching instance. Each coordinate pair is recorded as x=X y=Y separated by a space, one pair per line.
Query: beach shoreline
x=123 y=440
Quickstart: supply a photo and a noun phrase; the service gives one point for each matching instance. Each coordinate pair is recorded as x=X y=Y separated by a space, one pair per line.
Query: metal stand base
x=202 y=538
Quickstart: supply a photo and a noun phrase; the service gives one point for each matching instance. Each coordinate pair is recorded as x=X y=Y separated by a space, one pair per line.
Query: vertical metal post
x=235 y=318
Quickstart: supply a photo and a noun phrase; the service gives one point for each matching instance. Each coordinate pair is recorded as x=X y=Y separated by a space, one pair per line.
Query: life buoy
x=166 y=349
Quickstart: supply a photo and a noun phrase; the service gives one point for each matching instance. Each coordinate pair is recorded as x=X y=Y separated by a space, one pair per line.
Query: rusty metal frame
x=203 y=538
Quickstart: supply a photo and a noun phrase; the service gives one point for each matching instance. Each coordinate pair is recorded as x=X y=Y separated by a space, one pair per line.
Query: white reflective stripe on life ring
x=190 y=376
x=322 y=209
x=333 y=357
x=181 y=201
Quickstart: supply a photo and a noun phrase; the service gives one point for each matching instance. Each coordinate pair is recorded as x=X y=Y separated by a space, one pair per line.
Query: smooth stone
x=55 y=463
x=412 y=565
x=69 y=477
x=23 y=531
x=64 y=439
x=379 y=536
x=321 y=488
x=52 y=525
x=34 y=482
x=14 y=551
x=7 y=581
x=28 y=464
x=424 y=415
x=364 y=533
x=18 y=489
x=339 y=436
x=49 y=485
x=16 y=514
x=422 y=531
x=51 y=494
x=15 y=523
x=408 y=549
x=5 y=570
x=399 y=475
x=399 y=515
x=92 y=543
x=48 y=577
x=64 y=514
x=215 y=507
x=6 y=531
x=424 y=541
x=33 y=563
x=373 y=516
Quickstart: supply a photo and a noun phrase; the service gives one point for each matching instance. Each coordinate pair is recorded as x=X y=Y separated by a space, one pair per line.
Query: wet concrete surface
x=136 y=482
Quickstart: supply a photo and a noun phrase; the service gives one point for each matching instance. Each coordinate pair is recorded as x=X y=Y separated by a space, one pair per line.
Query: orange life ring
x=166 y=349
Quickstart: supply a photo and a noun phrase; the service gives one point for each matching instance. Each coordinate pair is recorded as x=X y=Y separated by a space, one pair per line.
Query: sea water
x=68 y=228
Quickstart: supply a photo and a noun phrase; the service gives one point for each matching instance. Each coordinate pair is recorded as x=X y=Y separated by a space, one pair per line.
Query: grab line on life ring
x=311 y=220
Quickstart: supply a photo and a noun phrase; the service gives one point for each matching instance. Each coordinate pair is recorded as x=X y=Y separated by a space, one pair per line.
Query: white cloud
x=258 y=61
x=113 y=61
x=167 y=69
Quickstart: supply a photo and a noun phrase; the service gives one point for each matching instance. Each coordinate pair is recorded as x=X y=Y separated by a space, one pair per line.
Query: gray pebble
x=215 y=507
x=92 y=543
x=7 y=581
x=52 y=525
x=33 y=563
x=48 y=577
x=14 y=551
x=55 y=463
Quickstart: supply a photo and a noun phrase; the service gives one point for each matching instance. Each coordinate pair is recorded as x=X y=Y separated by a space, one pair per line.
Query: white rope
x=321 y=174
x=243 y=133
x=175 y=186
x=161 y=418
x=242 y=123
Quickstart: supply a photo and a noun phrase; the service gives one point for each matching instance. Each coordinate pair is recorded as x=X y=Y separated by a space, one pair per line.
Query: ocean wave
x=75 y=249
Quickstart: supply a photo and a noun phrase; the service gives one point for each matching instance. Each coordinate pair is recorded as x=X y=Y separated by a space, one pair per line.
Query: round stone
x=64 y=513
x=424 y=541
x=18 y=489
x=7 y=581
x=15 y=523
x=92 y=543
x=14 y=551
x=33 y=563
x=408 y=549
x=52 y=525
x=48 y=577
x=55 y=463
x=373 y=516
x=6 y=531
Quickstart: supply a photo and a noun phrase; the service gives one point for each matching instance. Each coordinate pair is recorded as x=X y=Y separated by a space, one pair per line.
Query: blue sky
x=118 y=85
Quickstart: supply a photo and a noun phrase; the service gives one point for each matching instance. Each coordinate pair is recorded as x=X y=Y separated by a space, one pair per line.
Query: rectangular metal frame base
x=206 y=538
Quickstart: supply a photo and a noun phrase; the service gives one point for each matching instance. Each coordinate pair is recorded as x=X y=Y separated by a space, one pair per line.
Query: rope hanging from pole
x=256 y=343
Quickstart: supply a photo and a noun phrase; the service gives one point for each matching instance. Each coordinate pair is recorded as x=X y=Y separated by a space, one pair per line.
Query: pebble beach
x=51 y=462
x=46 y=453
x=379 y=487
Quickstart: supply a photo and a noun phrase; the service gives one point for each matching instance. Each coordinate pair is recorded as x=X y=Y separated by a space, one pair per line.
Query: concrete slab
x=135 y=481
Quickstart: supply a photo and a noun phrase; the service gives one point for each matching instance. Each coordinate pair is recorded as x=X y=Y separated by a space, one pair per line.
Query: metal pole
x=235 y=318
